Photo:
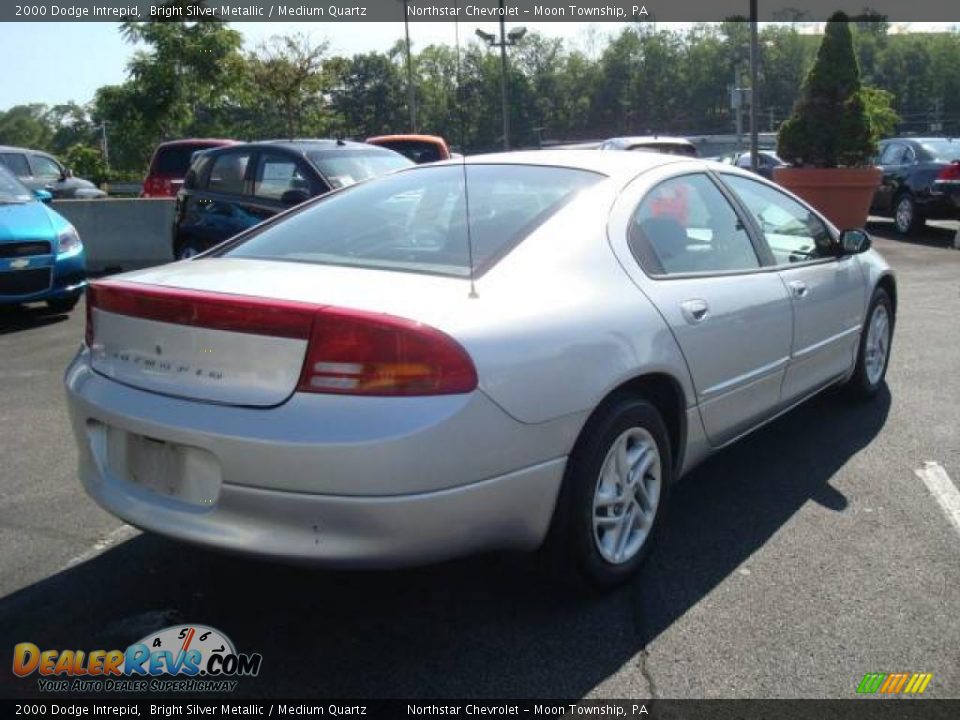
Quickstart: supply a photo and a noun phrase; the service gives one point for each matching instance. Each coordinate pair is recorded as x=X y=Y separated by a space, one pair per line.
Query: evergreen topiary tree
x=830 y=126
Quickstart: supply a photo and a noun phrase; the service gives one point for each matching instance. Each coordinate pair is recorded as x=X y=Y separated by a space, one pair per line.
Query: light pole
x=754 y=60
x=411 y=94
x=506 y=39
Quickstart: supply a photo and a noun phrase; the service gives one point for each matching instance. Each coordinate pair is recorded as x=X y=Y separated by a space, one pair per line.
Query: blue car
x=41 y=255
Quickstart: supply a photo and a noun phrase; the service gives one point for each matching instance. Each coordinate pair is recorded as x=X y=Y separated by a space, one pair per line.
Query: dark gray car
x=41 y=171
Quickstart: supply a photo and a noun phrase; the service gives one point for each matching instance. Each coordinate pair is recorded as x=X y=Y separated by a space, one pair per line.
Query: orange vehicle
x=419 y=148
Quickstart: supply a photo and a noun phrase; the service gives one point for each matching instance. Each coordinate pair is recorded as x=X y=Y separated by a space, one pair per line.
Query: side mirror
x=66 y=174
x=853 y=242
x=294 y=197
x=44 y=196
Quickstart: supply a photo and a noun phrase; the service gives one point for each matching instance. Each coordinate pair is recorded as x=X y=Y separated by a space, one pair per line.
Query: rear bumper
x=315 y=480
x=508 y=512
x=941 y=203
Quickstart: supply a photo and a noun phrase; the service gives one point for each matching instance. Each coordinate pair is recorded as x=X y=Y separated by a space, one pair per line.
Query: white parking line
x=942 y=489
x=115 y=537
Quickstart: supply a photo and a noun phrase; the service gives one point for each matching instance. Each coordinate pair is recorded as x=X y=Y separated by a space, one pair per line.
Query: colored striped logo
x=893 y=683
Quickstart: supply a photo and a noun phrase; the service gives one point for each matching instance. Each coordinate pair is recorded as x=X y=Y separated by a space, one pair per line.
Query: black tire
x=572 y=548
x=906 y=216
x=187 y=248
x=63 y=305
x=860 y=386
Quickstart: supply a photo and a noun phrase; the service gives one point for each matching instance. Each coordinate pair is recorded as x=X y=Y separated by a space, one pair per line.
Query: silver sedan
x=507 y=352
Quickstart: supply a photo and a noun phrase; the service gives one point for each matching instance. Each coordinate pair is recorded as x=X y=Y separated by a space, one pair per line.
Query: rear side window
x=228 y=171
x=417 y=220
x=278 y=175
x=16 y=163
x=417 y=150
x=685 y=225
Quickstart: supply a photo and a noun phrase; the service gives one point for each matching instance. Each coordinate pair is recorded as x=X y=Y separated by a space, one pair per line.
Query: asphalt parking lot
x=793 y=563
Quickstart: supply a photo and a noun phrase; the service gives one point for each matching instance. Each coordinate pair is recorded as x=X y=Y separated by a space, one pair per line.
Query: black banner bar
x=519 y=11
x=856 y=709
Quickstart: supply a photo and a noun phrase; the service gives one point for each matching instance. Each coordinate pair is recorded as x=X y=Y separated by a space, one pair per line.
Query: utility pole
x=411 y=92
x=506 y=39
x=504 y=90
x=754 y=61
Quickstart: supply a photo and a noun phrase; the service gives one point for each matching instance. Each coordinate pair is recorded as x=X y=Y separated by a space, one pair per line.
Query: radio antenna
x=466 y=208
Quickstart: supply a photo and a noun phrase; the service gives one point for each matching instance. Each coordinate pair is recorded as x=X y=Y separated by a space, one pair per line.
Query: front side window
x=417 y=220
x=793 y=233
x=686 y=225
x=45 y=167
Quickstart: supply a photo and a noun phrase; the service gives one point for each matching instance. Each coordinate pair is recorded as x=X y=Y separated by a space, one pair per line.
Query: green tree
x=830 y=126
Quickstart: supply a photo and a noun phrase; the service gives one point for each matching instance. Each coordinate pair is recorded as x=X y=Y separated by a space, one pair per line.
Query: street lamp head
x=486 y=37
x=517 y=34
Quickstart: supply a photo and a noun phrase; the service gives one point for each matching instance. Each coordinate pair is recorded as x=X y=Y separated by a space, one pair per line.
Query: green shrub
x=830 y=126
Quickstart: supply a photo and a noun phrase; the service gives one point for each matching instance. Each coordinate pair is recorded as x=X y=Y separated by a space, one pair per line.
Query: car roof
x=301 y=145
x=195 y=141
x=12 y=148
x=615 y=165
x=436 y=139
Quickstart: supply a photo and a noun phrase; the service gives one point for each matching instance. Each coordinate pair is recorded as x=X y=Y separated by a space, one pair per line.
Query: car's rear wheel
x=874 y=352
x=613 y=495
x=63 y=305
x=906 y=216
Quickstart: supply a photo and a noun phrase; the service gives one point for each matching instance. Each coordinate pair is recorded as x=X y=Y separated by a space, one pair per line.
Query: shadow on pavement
x=14 y=318
x=929 y=236
x=483 y=627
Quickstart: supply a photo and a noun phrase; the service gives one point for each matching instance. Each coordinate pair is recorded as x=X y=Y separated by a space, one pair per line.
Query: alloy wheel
x=627 y=496
x=878 y=344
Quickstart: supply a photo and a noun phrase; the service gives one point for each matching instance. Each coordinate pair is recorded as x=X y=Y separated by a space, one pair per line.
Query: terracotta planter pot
x=843 y=195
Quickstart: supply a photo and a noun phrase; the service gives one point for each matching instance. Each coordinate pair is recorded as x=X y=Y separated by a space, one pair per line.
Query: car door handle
x=694 y=311
x=798 y=288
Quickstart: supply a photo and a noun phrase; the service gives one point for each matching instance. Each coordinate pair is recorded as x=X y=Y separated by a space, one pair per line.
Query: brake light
x=950 y=174
x=358 y=353
x=349 y=352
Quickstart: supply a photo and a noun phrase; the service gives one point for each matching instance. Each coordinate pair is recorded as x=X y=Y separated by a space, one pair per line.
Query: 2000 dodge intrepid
x=472 y=355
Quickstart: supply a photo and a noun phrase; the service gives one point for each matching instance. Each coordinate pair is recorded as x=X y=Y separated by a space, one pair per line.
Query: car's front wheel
x=613 y=495
x=874 y=351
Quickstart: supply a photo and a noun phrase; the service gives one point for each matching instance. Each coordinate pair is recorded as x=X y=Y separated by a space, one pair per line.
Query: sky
x=52 y=63
x=58 y=62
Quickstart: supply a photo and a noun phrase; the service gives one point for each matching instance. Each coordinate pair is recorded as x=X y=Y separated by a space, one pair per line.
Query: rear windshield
x=174 y=160
x=943 y=150
x=342 y=167
x=667 y=149
x=416 y=220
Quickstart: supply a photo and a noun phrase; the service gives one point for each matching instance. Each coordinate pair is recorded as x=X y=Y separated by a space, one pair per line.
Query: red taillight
x=950 y=174
x=157 y=187
x=359 y=353
x=350 y=352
